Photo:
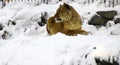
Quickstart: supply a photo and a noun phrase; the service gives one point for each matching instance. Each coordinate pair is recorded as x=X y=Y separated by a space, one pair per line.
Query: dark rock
x=94 y=47
x=43 y=19
x=107 y=14
x=5 y=35
x=97 y=21
x=11 y=22
x=86 y=55
x=41 y=23
x=88 y=12
x=1 y=26
x=104 y=62
x=3 y=4
x=117 y=20
x=102 y=18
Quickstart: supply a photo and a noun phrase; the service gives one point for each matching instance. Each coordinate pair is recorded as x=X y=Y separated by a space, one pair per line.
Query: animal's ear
x=66 y=6
x=60 y=5
x=64 y=3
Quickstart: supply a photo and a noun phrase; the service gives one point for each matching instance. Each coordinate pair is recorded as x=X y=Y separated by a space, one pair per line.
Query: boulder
x=11 y=22
x=6 y=35
x=107 y=14
x=1 y=26
x=43 y=19
x=117 y=20
x=106 y=62
x=97 y=20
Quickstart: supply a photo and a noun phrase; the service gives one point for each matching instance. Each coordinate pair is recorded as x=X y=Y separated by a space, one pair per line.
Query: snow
x=56 y=49
x=30 y=44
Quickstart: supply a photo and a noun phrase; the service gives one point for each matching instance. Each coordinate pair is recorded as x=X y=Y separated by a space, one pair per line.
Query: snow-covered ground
x=29 y=44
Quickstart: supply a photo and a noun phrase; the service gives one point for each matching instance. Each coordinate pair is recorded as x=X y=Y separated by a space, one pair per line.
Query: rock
x=43 y=19
x=1 y=26
x=5 y=35
x=107 y=14
x=103 y=17
x=106 y=62
x=11 y=22
x=97 y=21
x=41 y=23
x=117 y=20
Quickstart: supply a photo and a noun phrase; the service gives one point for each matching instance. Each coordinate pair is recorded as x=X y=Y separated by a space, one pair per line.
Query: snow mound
x=58 y=49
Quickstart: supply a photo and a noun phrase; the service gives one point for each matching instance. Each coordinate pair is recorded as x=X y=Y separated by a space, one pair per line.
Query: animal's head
x=65 y=12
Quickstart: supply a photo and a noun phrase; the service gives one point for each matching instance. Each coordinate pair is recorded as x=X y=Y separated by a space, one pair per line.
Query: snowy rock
x=1 y=26
x=5 y=35
x=43 y=18
x=104 y=62
x=97 y=20
x=117 y=20
x=107 y=14
x=10 y=22
x=102 y=18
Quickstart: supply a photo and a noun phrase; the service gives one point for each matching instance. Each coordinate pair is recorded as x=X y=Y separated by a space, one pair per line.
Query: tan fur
x=69 y=21
x=7 y=1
